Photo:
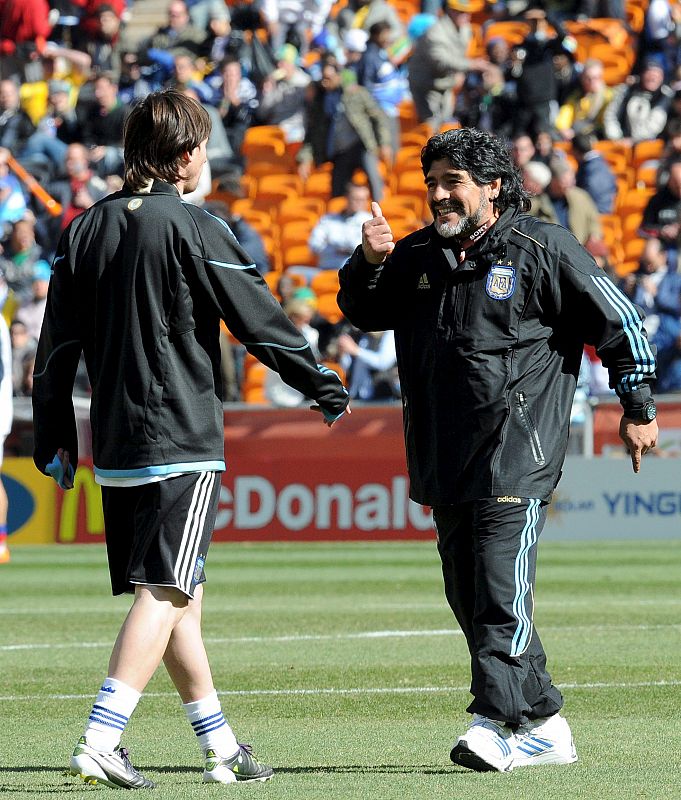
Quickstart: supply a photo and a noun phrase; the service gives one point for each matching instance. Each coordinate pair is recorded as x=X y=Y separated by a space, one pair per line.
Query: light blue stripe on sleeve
x=631 y=325
x=230 y=266
x=278 y=346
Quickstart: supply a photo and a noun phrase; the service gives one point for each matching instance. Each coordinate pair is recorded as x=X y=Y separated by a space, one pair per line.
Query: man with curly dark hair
x=491 y=309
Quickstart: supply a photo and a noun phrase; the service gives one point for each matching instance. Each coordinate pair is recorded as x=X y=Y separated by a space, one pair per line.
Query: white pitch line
x=439 y=606
x=337 y=637
x=385 y=690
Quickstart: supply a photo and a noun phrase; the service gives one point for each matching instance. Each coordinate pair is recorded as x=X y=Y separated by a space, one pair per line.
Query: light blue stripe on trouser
x=528 y=538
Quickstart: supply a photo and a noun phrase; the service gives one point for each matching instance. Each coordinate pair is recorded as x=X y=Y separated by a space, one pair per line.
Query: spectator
x=32 y=312
x=487 y=102
x=572 y=207
x=522 y=150
x=377 y=73
x=80 y=189
x=344 y=124
x=245 y=234
x=439 y=62
x=661 y=214
x=132 y=85
x=216 y=45
x=101 y=40
x=536 y=178
x=371 y=364
x=55 y=131
x=23 y=355
x=638 y=111
x=534 y=73
x=294 y=22
x=178 y=35
x=187 y=76
x=20 y=254
x=277 y=392
x=12 y=198
x=15 y=125
x=335 y=236
x=594 y=174
x=667 y=339
x=658 y=285
x=282 y=101
x=354 y=47
x=201 y=12
x=24 y=29
x=584 y=110
x=236 y=100
x=363 y=14
x=102 y=122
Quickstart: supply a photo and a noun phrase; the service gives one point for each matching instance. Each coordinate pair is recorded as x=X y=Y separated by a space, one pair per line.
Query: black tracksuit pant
x=488 y=549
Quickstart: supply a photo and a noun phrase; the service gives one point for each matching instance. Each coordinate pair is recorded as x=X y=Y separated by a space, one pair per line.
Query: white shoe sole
x=463 y=756
x=545 y=758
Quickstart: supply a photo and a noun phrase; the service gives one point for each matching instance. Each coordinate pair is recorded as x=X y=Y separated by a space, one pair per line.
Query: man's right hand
x=377 y=238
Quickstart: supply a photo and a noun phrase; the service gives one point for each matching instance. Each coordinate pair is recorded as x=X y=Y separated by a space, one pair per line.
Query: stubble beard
x=466 y=225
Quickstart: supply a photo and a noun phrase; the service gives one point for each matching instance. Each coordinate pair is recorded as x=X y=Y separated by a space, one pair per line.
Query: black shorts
x=158 y=534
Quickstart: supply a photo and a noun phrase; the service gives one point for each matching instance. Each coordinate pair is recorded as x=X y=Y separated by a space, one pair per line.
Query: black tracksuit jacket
x=140 y=284
x=489 y=351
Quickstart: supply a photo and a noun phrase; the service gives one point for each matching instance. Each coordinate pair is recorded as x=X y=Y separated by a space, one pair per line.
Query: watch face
x=650 y=411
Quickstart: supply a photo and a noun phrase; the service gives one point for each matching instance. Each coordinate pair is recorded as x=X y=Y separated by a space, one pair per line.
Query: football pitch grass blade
x=343 y=666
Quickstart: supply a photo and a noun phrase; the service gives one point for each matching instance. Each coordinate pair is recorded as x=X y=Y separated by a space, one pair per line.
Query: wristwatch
x=646 y=413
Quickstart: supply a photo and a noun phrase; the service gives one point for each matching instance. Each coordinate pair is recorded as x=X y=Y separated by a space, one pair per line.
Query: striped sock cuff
x=208 y=724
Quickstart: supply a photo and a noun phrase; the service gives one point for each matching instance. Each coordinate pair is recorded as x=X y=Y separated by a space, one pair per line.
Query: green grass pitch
x=343 y=667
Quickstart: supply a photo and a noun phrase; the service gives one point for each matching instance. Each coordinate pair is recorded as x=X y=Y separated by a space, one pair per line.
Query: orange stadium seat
x=260 y=133
x=631 y=223
x=298 y=255
x=511 y=31
x=257 y=217
x=300 y=208
x=633 y=249
x=280 y=180
x=328 y=308
x=646 y=177
x=295 y=232
x=633 y=200
x=318 y=185
x=325 y=282
x=650 y=150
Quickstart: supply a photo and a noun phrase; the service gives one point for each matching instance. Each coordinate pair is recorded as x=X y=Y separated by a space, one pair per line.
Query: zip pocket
x=528 y=424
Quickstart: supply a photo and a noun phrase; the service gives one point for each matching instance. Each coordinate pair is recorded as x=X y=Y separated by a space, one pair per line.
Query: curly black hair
x=484 y=157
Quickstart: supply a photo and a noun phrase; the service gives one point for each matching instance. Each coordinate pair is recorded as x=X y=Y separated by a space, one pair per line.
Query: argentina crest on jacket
x=500 y=283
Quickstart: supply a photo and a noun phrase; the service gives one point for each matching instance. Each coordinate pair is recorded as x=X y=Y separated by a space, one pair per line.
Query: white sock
x=110 y=714
x=210 y=726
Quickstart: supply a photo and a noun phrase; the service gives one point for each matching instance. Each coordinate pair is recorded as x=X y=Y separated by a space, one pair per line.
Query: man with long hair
x=491 y=310
x=141 y=281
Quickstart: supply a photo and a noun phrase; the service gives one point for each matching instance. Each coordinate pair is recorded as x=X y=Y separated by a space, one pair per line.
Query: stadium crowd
x=318 y=107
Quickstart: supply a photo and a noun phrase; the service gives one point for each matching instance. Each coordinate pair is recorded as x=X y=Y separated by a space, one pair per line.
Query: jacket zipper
x=526 y=419
x=509 y=376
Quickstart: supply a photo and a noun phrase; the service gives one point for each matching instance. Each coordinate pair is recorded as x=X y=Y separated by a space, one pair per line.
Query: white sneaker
x=547 y=740
x=487 y=746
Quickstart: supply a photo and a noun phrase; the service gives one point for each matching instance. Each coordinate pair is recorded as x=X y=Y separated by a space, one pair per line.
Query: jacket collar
x=490 y=244
x=154 y=186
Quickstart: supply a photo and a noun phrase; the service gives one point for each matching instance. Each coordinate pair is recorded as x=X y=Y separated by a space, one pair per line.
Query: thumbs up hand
x=377 y=238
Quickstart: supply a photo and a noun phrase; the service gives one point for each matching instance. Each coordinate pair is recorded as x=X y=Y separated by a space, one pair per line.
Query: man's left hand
x=639 y=437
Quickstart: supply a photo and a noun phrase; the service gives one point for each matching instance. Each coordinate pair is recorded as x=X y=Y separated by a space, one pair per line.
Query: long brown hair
x=159 y=129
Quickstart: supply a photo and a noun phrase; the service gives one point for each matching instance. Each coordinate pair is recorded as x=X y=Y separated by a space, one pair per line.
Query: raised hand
x=377 y=238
